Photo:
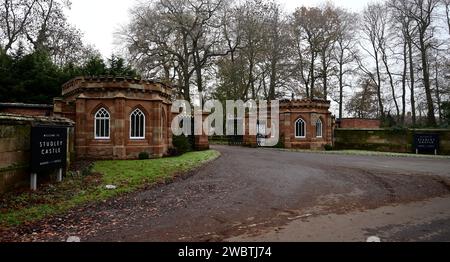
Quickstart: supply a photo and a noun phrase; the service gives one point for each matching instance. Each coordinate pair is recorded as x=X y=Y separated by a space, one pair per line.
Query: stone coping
x=22 y=119
x=23 y=105
x=391 y=129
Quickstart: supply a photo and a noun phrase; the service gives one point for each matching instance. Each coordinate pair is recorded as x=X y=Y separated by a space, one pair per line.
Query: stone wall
x=15 y=133
x=387 y=140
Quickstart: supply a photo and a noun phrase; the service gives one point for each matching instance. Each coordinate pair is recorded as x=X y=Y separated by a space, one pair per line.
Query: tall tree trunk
x=404 y=75
x=186 y=84
x=273 y=78
x=412 y=82
x=186 y=73
x=447 y=11
x=324 y=75
x=438 y=95
x=198 y=73
x=431 y=120
x=312 y=74
x=391 y=80
x=341 y=84
x=380 y=101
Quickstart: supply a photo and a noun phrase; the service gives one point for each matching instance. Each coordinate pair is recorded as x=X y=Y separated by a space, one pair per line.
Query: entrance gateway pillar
x=118 y=126
x=202 y=141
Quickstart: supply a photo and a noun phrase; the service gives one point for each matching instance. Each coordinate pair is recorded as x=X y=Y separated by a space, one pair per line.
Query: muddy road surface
x=249 y=191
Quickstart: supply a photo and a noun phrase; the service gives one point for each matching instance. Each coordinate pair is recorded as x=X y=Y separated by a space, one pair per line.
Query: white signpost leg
x=60 y=175
x=33 y=182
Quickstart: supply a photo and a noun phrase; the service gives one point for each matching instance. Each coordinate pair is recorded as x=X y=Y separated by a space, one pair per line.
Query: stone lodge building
x=117 y=118
x=304 y=124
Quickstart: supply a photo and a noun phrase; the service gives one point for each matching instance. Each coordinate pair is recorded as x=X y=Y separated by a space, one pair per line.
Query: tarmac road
x=251 y=194
x=425 y=221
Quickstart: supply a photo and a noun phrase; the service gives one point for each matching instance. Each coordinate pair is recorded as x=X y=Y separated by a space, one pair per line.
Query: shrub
x=87 y=171
x=144 y=156
x=182 y=144
x=328 y=147
x=280 y=143
x=173 y=152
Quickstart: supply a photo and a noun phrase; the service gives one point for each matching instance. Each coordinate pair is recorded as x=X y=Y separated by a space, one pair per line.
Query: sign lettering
x=48 y=148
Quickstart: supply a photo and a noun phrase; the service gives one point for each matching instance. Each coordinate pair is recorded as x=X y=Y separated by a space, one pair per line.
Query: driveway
x=248 y=192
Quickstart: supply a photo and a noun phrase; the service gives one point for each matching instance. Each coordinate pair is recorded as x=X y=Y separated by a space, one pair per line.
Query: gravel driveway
x=249 y=190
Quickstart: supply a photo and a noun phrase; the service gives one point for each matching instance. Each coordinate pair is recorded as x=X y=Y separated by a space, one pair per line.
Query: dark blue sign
x=426 y=142
x=48 y=148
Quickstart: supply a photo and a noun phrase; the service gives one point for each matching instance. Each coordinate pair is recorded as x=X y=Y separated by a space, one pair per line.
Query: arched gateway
x=117 y=118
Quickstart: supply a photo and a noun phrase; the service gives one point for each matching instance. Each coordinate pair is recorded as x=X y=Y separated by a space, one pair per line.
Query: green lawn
x=367 y=153
x=77 y=190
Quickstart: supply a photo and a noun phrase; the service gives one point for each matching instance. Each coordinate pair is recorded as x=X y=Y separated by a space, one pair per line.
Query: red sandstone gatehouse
x=117 y=118
x=304 y=124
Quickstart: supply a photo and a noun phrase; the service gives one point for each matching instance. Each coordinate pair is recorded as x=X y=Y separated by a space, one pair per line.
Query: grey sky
x=99 y=19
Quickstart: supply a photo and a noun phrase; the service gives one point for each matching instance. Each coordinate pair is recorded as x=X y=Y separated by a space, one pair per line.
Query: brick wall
x=359 y=123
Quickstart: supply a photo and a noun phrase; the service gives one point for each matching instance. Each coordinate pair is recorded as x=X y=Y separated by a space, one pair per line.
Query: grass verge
x=128 y=175
x=366 y=153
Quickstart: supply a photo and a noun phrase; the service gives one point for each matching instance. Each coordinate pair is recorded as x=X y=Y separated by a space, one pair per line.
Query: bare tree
x=178 y=37
x=275 y=51
x=407 y=31
x=252 y=43
x=372 y=28
x=15 y=17
x=447 y=12
x=230 y=73
x=314 y=32
x=422 y=14
x=363 y=104
x=383 y=46
x=330 y=28
x=344 y=52
x=307 y=32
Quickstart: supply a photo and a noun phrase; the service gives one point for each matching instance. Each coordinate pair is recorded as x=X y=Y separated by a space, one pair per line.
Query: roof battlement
x=84 y=83
x=305 y=103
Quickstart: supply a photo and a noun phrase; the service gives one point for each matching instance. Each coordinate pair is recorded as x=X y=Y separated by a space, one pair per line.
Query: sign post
x=60 y=175
x=48 y=151
x=33 y=181
x=426 y=143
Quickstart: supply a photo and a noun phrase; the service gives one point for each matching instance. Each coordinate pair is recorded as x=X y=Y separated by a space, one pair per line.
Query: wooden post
x=60 y=175
x=33 y=181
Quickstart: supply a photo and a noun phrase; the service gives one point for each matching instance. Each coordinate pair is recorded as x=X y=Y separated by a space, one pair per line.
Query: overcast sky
x=99 y=19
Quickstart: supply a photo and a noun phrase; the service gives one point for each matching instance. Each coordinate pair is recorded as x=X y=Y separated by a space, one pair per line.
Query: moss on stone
x=387 y=140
